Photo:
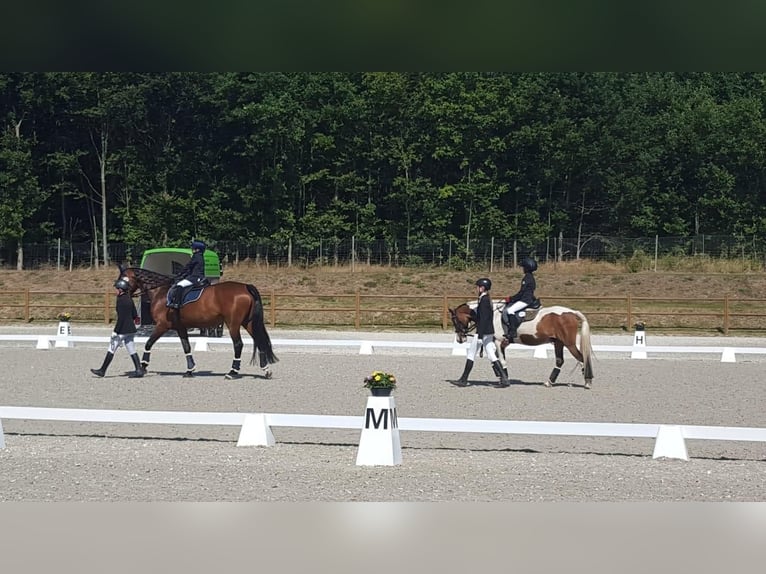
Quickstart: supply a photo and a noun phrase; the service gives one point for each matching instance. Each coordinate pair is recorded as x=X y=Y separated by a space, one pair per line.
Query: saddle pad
x=191 y=296
x=529 y=313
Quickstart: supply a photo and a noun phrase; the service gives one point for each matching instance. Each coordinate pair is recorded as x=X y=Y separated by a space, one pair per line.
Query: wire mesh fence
x=636 y=253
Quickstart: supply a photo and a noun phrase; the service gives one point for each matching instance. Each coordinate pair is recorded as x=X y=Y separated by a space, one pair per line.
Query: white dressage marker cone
x=639 y=343
x=459 y=349
x=63 y=333
x=728 y=356
x=379 y=444
x=670 y=443
x=255 y=431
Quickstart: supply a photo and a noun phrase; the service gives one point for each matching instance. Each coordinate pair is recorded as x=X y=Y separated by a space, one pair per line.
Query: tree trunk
x=102 y=162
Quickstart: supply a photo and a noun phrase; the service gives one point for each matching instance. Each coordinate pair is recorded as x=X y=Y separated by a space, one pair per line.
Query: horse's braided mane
x=151 y=279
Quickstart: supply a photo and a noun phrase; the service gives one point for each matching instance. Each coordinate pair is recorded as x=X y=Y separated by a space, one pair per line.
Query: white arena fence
x=367 y=347
x=669 y=440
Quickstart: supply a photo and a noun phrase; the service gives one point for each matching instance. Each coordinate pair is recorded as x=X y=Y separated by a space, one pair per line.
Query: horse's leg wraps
x=236 y=364
x=554 y=374
x=145 y=357
x=190 y=362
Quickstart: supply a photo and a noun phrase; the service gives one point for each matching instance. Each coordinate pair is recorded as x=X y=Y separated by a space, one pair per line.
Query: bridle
x=462 y=331
x=139 y=285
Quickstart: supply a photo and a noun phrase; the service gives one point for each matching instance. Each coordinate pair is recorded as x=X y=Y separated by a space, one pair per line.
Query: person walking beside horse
x=124 y=331
x=485 y=336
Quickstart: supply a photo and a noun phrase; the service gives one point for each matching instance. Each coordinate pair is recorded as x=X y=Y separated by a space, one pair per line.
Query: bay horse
x=236 y=304
x=557 y=325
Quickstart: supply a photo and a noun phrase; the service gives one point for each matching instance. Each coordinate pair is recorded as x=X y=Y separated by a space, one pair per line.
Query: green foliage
x=21 y=195
x=409 y=157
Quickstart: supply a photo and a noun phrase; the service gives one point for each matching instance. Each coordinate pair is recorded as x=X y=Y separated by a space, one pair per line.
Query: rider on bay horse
x=193 y=273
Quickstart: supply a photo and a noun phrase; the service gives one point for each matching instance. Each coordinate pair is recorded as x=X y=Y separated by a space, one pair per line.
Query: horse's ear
x=121 y=268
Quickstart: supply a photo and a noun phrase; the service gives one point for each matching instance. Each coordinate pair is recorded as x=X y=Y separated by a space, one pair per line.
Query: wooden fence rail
x=367 y=310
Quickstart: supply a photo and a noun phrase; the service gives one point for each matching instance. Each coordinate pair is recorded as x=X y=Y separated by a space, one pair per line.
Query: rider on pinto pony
x=521 y=300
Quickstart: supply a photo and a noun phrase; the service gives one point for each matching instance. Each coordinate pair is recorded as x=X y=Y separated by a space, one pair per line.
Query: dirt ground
x=61 y=461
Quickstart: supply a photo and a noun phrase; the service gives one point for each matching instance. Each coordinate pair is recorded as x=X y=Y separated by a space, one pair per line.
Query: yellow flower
x=380 y=379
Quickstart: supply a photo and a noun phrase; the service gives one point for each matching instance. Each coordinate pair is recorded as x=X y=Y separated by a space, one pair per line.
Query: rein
x=147 y=281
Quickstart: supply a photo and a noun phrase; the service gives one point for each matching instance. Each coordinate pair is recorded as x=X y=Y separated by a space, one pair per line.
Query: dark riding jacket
x=126 y=315
x=484 y=319
x=527 y=291
x=194 y=270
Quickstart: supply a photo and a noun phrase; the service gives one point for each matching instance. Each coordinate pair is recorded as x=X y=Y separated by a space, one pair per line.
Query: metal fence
x=638 y=253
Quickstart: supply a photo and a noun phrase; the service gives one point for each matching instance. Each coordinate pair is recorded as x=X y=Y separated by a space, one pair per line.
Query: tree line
x=411 y=159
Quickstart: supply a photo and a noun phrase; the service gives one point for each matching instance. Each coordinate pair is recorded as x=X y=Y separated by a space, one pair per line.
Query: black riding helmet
x=529 y=265
x=122 y=284
x=484 y=282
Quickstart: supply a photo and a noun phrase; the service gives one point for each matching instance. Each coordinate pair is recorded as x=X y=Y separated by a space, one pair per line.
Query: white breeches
x=127 y=340
x=489 y=348
x=517 y=306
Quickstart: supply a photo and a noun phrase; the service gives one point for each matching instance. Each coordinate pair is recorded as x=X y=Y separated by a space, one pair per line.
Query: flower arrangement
x=66 y=316
x=380 y=380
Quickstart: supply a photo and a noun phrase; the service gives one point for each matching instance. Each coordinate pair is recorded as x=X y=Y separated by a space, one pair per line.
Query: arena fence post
x=255 y=431
x=728 y=356
x=365 y=348
x=670 y=443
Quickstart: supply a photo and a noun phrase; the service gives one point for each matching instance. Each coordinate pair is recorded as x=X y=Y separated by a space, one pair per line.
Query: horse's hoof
x=188 y=375
x=588 y=384
x=268 y=375
x=232 y=375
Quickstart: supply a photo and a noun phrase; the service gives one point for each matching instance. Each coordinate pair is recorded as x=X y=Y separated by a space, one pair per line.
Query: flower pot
x=381 y=391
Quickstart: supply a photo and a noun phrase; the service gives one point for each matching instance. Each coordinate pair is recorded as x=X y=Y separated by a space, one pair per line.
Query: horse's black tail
x=261 y=339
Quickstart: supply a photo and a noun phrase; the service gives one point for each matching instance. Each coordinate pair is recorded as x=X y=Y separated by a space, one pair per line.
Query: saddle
x=530 y=311
x=189 y=294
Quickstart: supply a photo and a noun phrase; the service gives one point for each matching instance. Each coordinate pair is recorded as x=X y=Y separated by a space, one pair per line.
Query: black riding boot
x=139 y=372
x=179 y=296
x=102 y=371
x=505 y=319
x=174 y=297
x=500 y=372
x=463 y=380
x=513 y=326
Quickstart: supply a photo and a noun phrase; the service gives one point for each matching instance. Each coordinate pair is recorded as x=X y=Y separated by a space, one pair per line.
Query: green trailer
x=170 y=261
